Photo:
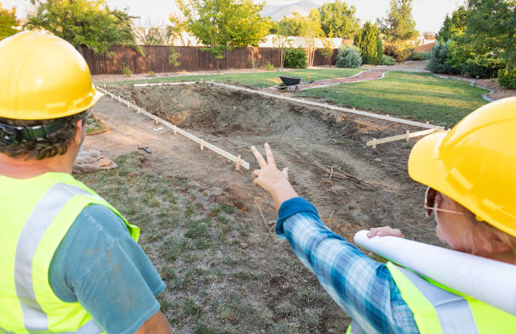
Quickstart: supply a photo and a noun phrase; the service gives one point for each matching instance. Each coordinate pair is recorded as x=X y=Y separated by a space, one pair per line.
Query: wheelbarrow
x=288 y=82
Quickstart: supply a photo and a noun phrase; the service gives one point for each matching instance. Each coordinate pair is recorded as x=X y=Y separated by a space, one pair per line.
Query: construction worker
x=471 y=175
x=70 y=262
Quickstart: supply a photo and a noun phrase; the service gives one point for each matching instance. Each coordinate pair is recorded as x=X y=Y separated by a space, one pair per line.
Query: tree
x=282 y=42
x=308 y=27
x=337 y=20
x=454 y=25
x=310 y=31
x=399 y=24
x=7 y=22
x=225 y=24
x=177 y=29
x=370 y=44
x=89 y=23
x=292 y=26
x=399 y=29
x=151 y=33
x=327 y=50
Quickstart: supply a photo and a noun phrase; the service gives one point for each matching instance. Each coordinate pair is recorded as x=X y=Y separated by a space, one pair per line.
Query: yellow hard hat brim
x=424 y=165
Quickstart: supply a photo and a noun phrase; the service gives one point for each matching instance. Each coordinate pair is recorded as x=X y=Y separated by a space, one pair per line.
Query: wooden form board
x=203 y=144
x=406 y=136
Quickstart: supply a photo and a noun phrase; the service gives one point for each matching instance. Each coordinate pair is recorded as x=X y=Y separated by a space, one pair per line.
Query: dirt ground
x=353 y=186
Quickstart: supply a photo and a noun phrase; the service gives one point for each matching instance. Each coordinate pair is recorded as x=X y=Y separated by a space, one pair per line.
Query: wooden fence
x=191 y=59
x=424 y=48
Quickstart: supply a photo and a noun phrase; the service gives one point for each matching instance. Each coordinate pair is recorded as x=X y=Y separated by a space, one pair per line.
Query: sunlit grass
x=257 y=79
x=422 y=97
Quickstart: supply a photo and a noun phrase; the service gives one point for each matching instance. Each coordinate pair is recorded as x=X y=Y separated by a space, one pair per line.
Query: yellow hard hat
x=43 y=77
x=474 y=163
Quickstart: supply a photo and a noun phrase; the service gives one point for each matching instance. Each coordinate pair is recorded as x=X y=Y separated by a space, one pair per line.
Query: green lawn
x=258 y=79
x=422 y=97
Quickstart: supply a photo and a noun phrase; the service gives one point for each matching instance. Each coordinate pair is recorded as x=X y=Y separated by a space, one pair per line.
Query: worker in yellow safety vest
x=470 y=172
x=69 y=261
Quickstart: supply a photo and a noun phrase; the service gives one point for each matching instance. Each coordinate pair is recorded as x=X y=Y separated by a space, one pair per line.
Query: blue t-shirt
x=100 y=266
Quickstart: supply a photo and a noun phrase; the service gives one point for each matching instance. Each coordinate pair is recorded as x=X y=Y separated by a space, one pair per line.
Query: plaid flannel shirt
x=362 y=287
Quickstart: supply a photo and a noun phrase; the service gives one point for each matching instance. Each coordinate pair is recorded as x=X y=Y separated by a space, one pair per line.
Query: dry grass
x=213 y=284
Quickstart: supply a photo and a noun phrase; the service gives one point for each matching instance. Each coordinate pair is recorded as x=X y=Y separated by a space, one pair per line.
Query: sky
x=428 y=14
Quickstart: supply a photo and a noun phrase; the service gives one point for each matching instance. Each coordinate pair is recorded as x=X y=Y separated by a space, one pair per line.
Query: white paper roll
x=489 y=281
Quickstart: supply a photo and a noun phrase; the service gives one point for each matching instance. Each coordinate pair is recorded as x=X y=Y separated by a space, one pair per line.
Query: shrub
x=269 y=66
x=348 y=57
x=126 y=70
x=507 y=77
x=400 y=50
x=388 y=60
x=370 y=44
x=420 y=56
x=173 y=58
x=152 y=74
x=439 y=57
x=484 y=66
x=295 y=58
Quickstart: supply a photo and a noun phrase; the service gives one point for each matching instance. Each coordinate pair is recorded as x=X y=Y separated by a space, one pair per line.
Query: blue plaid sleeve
x=362 y=287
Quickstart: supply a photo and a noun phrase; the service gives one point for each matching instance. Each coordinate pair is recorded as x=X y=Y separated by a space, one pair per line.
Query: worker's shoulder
x=97 y=218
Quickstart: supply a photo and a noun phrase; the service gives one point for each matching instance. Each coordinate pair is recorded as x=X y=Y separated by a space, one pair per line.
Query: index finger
x=259 y=157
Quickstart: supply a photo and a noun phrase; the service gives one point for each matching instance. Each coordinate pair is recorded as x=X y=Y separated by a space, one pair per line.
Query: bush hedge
x=295 y=58
x=507 y=77
x=348 y=57
x=388 y=60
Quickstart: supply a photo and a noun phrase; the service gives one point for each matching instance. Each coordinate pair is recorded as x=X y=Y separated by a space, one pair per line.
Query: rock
x=243 y=245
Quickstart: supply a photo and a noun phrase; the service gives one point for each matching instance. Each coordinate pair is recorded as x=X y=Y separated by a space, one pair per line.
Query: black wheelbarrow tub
x=290 y=81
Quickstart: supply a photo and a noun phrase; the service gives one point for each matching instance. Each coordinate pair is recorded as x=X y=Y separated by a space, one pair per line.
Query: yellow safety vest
x=36 y=214
x=441 y=310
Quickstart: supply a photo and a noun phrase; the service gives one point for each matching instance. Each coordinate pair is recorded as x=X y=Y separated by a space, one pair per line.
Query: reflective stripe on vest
x=438 y=309
x=452 y=310
x=39 y=220
x=89 y=328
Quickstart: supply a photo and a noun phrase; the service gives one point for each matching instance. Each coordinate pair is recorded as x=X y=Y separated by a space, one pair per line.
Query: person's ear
x=489 y=244
x=498 y=245
x=78 y=137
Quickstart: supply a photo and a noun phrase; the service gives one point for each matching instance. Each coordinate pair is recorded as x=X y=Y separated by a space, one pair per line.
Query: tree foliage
x=89 y=23
x=292 y=26
x=308 y=27
x=481 y=39
x=370 y=44
x=224 y=24
x=399 y=24
x=338 y=20
x=7 y=22
x=454 y=25
x=399 y=29
x=295 y=58
x=177 y=29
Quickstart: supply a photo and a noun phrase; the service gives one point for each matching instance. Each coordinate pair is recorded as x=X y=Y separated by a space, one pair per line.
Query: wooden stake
x=408 y=135
x=238 y=163
x=202 y=145
x=175 y=130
